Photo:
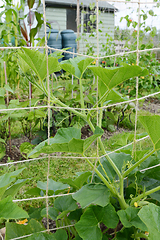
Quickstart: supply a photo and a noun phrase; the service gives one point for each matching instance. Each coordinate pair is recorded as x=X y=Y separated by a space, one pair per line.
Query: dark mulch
x=15 y=153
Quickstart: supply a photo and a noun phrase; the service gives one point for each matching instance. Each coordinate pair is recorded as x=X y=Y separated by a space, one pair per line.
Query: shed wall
x=55 y=14
x=60 y=16
x=107 y=26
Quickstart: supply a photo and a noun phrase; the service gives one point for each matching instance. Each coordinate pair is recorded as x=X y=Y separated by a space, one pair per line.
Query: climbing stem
x=113 y=190
x=81 y=95
x=143 y=195
x=122 y=202
x=141 y=235
x=100 y=117
x=90 y=124
x=58 y=102
x=138 y=163
x=121 y=199
x=109 y=159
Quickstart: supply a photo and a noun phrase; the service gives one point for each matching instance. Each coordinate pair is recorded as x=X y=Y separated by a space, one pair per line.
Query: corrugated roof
x=101 y=4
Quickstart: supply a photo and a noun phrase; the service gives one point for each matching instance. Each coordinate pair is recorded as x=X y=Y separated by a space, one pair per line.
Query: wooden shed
x=62 y=14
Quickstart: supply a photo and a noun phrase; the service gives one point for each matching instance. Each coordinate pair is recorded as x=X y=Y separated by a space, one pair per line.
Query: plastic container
x=69 y=41
x=54 y=40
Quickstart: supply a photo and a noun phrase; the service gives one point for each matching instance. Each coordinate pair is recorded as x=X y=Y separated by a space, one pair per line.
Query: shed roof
x=101 y=4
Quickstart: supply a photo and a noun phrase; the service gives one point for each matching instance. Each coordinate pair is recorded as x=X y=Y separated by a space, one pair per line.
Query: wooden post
x=7 y=95
x=78 y=25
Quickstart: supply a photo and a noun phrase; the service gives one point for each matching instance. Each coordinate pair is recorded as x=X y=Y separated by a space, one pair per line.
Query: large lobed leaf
x=119 y=159
x=52 y=186
x=38 y=63
x=59 y=235
x=76 y=66
x=10 y=210
x=66 y=140
x=92 y=194
x=6 y=179
x=152 y=126
x=129 y=217
x=113 y=77
x=150 y=215
x=88 y=226
x=78 y=182
x=14 y=230
x=65 y=204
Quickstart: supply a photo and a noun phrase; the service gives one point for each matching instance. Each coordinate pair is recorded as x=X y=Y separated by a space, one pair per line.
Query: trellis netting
x=111 y=34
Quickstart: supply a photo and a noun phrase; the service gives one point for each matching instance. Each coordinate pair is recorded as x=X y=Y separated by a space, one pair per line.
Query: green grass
x=37 y=171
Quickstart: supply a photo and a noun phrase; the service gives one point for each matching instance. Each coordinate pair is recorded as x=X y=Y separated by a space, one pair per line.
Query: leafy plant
x=8 y=209
x=106 y=191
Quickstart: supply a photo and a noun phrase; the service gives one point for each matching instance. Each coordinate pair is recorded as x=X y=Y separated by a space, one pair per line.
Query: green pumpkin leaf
x=120 y=160
x=78 y=237
x=6 y=179
x=66 y=140
x=113 y=77
x=38 y=63
x=152 y=126
x=40 y=236
x=34 y=192
x=14 y=188
x=92 y=194
x=52 y=212
x=75 y=215
x=76 y=66
x=52 y=185
x=14 y=230
x=88 y=226
x=65 y=203
x=58 y=235
x=150 y=215
x=111 y=97
x=125 y=234
x=63 y=135
x=78 y=182
x=35 y=213
x=10 y=210
x=129 y=217
x=115 y=97
x=82 y=65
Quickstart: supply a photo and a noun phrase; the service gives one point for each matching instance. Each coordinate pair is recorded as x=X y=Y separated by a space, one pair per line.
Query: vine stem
x=84 y=116
x=138 y=163
x=81 y=95
x=109 y=159
x=56 y=101
x=101 y=116
x=121 y=199
x=101 y=177
x=141 y=235
x=92 y=128
x=139 y=197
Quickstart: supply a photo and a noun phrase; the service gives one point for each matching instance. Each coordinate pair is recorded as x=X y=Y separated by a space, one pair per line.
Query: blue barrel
x=69 y=40
x=54 y=40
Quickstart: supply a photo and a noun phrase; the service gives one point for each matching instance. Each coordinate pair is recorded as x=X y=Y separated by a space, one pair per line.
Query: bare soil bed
x=152 y=105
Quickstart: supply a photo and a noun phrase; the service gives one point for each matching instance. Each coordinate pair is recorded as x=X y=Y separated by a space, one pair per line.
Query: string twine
x=49 y=114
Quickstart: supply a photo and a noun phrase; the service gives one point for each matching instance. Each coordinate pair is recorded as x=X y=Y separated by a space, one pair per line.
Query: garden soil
x=152 y=105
